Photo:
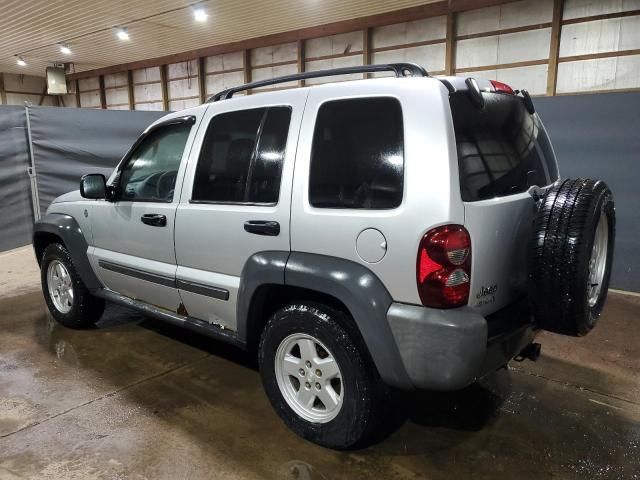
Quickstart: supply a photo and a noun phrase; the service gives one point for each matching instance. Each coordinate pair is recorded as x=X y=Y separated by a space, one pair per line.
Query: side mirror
x=93 y=186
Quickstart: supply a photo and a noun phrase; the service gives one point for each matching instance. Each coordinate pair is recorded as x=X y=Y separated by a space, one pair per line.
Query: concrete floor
x=138 y=399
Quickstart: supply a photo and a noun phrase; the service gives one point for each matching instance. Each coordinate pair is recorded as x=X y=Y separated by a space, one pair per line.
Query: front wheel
x=67 y=297
x=319 y=380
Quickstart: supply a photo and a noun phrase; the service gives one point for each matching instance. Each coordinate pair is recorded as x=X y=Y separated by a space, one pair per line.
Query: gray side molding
x=66 y=227
x=367 y=300
x=260 y=269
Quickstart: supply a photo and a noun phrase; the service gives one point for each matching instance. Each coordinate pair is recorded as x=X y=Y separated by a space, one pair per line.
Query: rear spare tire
x=571 y=255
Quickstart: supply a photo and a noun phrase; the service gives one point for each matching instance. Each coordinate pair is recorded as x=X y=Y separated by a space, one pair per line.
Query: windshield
x=502 y=149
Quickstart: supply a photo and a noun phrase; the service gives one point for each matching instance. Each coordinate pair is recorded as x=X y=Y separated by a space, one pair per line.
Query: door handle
x=154 y=219
x=262 y=227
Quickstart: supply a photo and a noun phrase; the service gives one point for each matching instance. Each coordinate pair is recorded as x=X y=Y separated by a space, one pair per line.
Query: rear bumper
x=450 y=349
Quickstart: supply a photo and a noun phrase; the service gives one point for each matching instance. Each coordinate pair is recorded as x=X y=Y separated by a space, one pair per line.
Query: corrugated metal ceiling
x=33 y=28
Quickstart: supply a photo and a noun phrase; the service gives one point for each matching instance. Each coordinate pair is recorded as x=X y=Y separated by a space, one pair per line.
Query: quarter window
x=357 y=158
x=242 y=156
x=150 y=173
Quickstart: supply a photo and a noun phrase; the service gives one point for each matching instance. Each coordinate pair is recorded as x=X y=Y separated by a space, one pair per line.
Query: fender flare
x=66 y=228
x=353 y=284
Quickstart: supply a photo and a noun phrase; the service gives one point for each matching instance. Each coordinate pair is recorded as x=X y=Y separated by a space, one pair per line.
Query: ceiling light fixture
x=122 y=33
x=20 y=61
x=200 y=14
x=64 y=48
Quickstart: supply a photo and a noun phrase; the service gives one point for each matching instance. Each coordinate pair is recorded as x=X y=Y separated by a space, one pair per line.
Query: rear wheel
x=68 y=299
x=571 y=256
x=319 y=379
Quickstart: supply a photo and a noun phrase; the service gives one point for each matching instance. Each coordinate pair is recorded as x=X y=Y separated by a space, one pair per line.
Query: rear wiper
x=536 y=192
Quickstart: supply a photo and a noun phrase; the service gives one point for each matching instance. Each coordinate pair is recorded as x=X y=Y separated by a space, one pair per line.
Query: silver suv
x=361 y=237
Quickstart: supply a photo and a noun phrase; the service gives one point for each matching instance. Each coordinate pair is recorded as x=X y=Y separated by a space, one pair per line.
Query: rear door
x=236 y=199
x=503 y=150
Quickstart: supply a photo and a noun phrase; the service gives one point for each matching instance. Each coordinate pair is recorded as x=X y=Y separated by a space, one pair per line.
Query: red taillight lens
x=443 y=270
x=501 y=87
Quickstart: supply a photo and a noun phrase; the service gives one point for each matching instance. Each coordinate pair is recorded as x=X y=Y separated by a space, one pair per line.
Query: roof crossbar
x=399 y=69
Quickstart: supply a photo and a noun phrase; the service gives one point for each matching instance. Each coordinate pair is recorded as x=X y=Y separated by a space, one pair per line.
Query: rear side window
x=502 y=150
x=357 y=157
x=242 y=156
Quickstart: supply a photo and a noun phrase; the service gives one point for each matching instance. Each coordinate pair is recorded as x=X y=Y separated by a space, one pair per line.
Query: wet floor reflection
x=135 y=398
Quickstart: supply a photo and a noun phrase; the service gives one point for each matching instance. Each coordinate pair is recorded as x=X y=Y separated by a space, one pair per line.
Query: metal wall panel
x=586 y=8
x=287 y=52
x=117 y=97
x=89 y=84
x=334 y=45
x=176 y=105
x=115 y=80
x=434 y=28
x=510 y=15
x=506 y=48
x=185 y=87
x=221 y=81
x=151 y=74
x=600 y=36
x=149 y=92
x=150 y=106
x=182 y=69
x=274 y=54
x=429 y=56
x=590 y=37
x=227 y=61
x=599 y=74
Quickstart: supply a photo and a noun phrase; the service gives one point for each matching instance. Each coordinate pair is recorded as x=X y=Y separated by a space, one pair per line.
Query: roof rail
x=400 y=70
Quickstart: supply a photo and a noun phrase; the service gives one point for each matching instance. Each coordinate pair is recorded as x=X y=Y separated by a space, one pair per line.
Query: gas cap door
x=371 y=245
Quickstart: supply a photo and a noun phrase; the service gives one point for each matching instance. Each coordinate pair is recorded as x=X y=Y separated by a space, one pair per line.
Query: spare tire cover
x=570 y=256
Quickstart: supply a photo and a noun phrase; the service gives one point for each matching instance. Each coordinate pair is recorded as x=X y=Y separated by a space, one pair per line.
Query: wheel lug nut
x=301 y=372
x=318 y=386
x=308 y=364
x=318 y=373
x=307 y=385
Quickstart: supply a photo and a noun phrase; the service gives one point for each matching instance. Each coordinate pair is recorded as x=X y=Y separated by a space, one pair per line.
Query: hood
x=68 y=197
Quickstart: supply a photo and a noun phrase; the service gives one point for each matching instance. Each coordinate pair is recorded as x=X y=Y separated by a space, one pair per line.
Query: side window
x=242 y=156
x=150 y=173
x=357 y=157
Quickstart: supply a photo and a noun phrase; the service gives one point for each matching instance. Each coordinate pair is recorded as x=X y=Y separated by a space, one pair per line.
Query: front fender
x=67 y=229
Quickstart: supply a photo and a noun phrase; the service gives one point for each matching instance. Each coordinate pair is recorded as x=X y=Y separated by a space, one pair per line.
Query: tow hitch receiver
x=531 y=351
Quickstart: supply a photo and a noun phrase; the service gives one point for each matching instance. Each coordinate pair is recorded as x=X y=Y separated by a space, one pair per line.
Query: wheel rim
x=598 y=261
x=309 y=378
x=60 y=286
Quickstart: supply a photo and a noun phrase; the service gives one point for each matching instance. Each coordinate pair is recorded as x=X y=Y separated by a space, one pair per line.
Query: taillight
x=443 y=270
x=501 y=87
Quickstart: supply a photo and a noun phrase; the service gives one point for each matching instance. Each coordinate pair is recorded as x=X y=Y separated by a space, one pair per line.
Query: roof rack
x=400 y=70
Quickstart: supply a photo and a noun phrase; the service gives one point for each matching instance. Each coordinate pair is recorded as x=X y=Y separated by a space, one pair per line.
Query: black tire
x=363 y=417
x=86 y=309
x=563 y=239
